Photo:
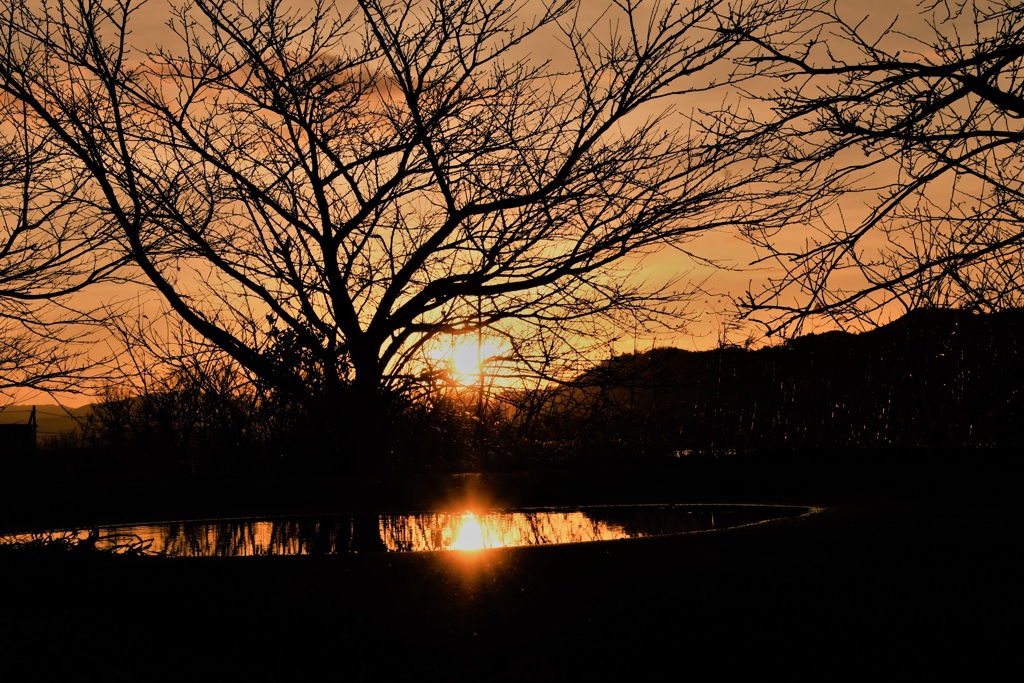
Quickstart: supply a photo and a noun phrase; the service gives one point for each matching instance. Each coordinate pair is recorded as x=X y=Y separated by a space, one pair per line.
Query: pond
x=464 y=530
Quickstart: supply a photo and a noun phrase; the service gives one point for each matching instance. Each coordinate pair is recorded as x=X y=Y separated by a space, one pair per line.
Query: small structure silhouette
x=19 y=439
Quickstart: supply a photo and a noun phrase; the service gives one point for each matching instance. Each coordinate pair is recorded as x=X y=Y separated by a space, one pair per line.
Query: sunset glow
x=468 y=356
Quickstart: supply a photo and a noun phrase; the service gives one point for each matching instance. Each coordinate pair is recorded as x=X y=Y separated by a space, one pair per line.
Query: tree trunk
x=370 y=435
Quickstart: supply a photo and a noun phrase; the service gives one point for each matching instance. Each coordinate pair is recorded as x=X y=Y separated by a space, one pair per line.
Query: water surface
x=464 y=530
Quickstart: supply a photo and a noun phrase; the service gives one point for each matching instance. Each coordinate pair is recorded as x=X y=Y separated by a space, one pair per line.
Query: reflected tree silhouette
x=408 y=532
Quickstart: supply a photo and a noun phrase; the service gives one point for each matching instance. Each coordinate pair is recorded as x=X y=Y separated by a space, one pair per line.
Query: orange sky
x=711 y=311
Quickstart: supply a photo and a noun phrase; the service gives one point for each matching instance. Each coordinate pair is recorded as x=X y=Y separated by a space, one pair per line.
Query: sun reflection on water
x=493 y=529
x=470 y=530
x=470 y=535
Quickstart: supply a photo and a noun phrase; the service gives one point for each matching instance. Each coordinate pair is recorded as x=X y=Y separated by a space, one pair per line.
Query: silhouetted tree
x=370 y=181
x=194 y=415
x=925 y=119
x=47 y=253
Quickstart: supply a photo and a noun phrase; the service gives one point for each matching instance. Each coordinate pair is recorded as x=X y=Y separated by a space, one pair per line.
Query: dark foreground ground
x=915 y=570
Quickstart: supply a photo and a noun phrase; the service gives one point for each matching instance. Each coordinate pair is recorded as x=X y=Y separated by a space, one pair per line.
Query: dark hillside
x=934 y=379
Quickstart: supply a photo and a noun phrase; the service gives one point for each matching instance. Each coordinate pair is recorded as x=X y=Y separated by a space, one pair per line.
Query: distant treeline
x=934 y=379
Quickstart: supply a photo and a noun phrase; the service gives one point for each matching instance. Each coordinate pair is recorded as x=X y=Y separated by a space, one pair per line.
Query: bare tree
x=353 y=186
x=925 y=125
x=47 y=254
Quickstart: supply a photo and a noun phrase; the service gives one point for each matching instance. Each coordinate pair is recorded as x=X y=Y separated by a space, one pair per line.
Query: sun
x=470 y=356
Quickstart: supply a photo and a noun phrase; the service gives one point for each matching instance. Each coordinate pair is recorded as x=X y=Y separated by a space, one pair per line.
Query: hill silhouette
x=933 y=379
